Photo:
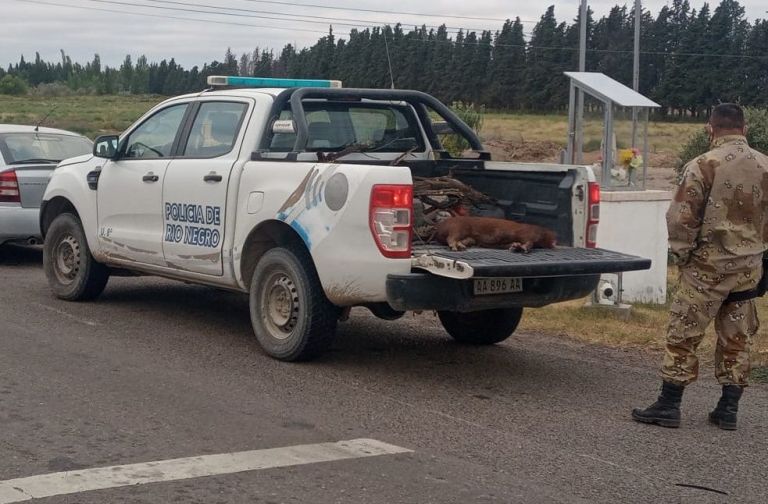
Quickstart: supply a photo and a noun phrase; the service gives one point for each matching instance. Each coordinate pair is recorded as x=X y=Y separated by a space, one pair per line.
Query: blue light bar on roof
x=265 y=82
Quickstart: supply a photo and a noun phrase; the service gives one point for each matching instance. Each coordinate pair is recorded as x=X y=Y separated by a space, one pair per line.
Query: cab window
x=154 y=138
x=215 y=129
x=334 y=126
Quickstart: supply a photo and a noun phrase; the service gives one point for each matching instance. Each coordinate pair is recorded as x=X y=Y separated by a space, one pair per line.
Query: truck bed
x=560 y=261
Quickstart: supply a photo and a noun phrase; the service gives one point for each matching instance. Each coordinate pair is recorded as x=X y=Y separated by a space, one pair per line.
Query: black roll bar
x=417 y=99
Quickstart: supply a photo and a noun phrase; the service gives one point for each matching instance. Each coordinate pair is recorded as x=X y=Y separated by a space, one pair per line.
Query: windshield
x=19 y=148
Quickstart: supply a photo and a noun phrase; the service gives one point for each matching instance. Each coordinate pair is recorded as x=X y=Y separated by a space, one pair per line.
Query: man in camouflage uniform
x=718 y=229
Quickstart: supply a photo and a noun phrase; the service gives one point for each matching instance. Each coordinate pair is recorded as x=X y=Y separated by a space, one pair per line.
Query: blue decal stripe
x=302 y=232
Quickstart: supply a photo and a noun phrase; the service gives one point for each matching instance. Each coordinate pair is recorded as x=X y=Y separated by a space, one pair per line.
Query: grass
x=89 y=115
x=645 y=328
x=663 y=137
x=98 y=115
x=760 y=374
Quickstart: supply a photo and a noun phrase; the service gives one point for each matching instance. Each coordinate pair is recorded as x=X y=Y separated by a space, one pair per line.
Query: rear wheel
x=484 y=327
x=72 y=272
x=290 y=314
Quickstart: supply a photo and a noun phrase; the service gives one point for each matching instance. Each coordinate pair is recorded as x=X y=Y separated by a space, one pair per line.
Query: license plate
x=484 y=286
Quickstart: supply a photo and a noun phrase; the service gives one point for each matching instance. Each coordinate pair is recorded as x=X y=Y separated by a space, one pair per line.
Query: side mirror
x=105 y=146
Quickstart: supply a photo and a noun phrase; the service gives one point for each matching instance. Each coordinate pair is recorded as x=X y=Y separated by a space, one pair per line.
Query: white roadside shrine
x=610 y=119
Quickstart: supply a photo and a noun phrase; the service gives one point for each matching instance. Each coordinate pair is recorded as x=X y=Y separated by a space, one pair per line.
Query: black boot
x=724 y=415
x=666 y=410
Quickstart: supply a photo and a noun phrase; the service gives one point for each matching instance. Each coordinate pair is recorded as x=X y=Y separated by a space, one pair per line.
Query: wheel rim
x=67 y=259
x=280 y=305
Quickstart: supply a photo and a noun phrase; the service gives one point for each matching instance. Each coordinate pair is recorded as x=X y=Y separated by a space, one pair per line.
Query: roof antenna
x=389 y=60
x=41 y=121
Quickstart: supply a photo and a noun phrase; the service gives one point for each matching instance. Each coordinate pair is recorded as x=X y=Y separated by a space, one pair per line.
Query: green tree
x=727 y=35
x=545 y=65
x=126 y=73
x=13 y=85
x=506 y=88
x=230 y=65
x=614 y=40
x=670 y=90
x=473 y=116
x=753 y=88
x=140 y=80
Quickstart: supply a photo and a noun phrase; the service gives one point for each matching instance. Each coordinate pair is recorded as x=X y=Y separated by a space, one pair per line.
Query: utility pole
x=583 y=37
x=573 y=154
x=636 y=74
x=579 y=144
x=636 y=69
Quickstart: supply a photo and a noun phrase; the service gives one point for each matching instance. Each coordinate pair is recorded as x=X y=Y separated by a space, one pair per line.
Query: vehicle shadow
x=12 y=254
x=412 y=351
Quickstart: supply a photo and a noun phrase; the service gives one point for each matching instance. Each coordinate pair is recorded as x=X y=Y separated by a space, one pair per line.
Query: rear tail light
x=390 y=219
x=593 y=214
x=9 y=188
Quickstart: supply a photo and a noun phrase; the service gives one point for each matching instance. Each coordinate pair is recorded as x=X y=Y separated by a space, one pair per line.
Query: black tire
x=72 y=272
x=484 y=327
x=290 y=314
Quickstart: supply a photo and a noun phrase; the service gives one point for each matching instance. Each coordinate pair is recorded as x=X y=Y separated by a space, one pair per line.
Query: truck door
x=195 y=189
x=129 y=192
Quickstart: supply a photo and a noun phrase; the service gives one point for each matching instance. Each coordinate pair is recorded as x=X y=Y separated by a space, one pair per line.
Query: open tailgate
x=560 y=261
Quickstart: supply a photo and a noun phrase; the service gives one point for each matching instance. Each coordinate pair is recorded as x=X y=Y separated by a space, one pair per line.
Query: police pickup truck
x=300 y=194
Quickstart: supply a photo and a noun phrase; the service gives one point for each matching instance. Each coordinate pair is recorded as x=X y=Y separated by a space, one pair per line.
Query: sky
x=114 y=28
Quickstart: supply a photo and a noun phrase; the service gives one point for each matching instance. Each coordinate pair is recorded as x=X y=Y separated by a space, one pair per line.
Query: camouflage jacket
x=719 y=215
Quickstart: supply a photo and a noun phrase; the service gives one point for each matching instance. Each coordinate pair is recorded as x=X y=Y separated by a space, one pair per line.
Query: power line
x=400 y=13
x=198 y=11
x=164 y=16
x=205 y=20
x=230 y=14
x=331 y=19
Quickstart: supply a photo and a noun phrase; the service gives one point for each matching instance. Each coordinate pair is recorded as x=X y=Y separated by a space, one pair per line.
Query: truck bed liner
x=560 y=261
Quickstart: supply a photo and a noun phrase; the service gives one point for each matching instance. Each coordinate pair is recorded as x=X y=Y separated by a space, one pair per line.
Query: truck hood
x=75 y=160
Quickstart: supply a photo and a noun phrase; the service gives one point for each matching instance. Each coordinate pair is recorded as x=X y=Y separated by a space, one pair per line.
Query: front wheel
x=291 y=316
x=484 y=327
x=72 y=272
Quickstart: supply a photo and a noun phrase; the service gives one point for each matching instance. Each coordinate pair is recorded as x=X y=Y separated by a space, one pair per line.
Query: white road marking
x=70 y=482
x=68 y=315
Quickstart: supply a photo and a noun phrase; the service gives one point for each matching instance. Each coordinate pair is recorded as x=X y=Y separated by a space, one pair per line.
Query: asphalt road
x=157 y=370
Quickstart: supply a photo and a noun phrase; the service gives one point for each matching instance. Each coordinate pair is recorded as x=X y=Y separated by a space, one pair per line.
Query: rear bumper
x=423 y=291
x=17 y=223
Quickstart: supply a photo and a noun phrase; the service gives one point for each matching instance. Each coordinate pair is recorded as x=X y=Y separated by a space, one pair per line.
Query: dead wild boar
x=460 y=233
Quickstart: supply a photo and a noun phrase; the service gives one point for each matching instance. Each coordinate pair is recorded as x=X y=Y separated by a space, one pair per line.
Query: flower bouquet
x=630 y=159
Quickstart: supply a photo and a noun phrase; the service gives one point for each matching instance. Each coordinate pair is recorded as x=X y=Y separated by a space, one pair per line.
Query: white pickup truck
x=301 y=195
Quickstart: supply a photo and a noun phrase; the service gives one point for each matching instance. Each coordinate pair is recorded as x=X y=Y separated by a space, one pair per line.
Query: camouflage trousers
x=699 y=300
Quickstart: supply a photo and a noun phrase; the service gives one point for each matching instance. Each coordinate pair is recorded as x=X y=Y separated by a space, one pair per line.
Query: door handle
x=150 y=177
x=213 y=177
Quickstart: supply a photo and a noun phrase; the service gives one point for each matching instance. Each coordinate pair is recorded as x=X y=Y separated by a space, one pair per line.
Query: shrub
x=13 y=85
x=757 y=136
x=467 y=112
x=592 y=145
x=51 y=89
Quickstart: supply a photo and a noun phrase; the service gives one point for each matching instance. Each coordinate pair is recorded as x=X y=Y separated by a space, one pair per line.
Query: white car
x=28 y=155
x=302 y=197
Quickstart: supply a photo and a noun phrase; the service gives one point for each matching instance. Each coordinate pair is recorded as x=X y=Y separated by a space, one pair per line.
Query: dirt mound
x=532 y=151
x=661 y=166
